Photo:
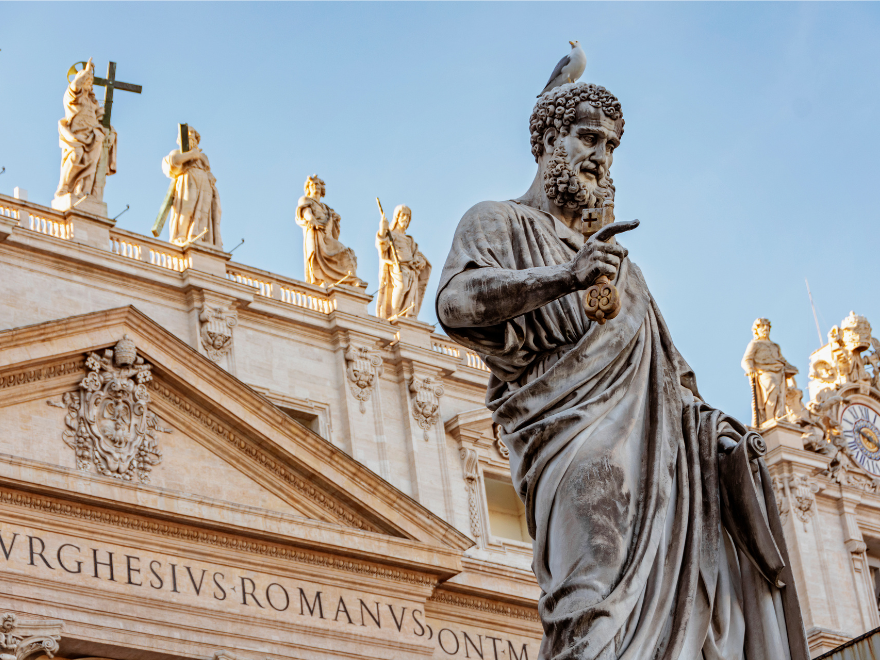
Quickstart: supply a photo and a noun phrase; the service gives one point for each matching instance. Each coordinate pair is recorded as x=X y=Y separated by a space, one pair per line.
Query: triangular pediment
x=227 y=453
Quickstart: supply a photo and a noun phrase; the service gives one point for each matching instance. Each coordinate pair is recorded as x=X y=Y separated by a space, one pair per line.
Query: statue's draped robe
x=327 y=260
x=410 y=279
x=196 y=206
x=81 y=138
x=615 y=458
x=764 y=356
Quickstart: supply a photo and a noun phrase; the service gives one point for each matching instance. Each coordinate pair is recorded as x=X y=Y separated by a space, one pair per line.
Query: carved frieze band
x=192 y=535
x=340 y=512
x=27 y=376
x=471 y=461
x=363 y=368
x=484 y=605
x=426 y=395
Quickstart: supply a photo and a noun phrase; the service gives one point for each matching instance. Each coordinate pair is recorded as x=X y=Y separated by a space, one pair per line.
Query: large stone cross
x=109 y=84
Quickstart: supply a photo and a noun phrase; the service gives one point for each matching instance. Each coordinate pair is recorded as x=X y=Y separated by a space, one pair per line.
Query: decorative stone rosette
x=362 y=369
x=109 y=422
x=426 y=402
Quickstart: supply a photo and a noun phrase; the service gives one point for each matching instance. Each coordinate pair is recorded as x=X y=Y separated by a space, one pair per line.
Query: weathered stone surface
x=613 y=452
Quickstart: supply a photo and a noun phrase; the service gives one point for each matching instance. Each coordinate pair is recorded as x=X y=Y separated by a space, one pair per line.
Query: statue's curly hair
x=322 y=187
x=558 y=108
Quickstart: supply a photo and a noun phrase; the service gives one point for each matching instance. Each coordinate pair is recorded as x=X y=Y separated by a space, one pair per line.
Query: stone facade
x=821 y=455
x=201 y=459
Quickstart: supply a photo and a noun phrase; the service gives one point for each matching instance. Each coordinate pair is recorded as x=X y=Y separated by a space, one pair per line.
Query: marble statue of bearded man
x=645 y=546
x=403 y=271
x=81 y=137
x=328 y=261
x=195 y=212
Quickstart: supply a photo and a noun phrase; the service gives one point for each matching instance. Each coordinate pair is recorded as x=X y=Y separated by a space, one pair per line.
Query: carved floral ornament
x=470 y=463
x=426 y=402
x=362 y=368
x=215 y=330
x=24 y=640
x=109 y=421
x=796 y=493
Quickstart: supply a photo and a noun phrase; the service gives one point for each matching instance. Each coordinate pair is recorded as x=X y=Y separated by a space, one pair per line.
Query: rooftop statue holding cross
x=87 y=140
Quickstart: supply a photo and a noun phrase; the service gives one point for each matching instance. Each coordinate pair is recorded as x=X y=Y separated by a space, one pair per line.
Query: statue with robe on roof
x=81 y=137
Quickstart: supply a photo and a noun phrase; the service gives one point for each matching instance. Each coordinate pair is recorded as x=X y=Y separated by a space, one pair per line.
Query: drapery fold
x=616 y=459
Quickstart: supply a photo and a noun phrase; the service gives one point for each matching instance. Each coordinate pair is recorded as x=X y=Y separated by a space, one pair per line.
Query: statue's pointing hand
x=598 y=257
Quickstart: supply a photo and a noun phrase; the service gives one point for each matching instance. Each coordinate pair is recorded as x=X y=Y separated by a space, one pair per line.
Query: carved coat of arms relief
x=363 y=367
x=426 y=395
x=215 y=330
x=109 y=423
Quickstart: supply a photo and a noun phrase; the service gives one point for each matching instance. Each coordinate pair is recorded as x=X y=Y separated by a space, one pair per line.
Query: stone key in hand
x=601 y=301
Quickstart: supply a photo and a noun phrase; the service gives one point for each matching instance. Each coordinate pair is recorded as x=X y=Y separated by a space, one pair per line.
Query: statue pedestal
x=349 y=299
x=206 y=259
x=782 y=434
x=87 y=204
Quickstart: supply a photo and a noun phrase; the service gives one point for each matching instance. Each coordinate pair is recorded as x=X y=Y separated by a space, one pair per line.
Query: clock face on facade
x=860 y=426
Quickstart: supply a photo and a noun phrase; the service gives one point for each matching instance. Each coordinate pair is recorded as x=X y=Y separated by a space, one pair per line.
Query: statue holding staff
x=81 y=137
x=769 y=374
x=403 y=270
x=195 y=205
x=655 y=527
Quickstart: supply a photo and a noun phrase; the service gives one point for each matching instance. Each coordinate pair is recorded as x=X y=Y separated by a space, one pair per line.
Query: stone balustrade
x=101 y=233
x=45 y=221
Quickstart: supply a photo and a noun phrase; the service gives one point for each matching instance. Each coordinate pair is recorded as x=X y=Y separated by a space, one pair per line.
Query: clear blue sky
x=750 y=152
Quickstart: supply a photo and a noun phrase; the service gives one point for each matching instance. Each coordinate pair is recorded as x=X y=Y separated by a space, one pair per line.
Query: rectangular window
x=309 y=420
x=507 y=514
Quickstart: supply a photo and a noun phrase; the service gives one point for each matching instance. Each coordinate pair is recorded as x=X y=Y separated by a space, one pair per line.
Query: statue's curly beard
x=563 y=186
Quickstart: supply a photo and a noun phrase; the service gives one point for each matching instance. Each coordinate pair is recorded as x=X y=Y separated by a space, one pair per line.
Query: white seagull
x=570 y=68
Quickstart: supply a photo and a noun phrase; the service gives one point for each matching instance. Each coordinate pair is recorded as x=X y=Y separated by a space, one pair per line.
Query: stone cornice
x=242 y=444
x=215 y=538
x=322 y=464
x=443 y=597
x=201 y=516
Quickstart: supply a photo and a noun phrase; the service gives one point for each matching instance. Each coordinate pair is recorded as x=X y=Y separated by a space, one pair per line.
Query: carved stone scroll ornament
x=471 y=461
x=22 y=640
x=215 y=329
x=108 y=417
x=426 y=402
x=363 y=367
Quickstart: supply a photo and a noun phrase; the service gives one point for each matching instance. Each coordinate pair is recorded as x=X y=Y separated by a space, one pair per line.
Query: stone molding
x=337 y=510
x=22 y=640
x=225 y=542
x=426 y=395
x=27 y=376
x=363 y=367
x=252 y=417
x=483 y=605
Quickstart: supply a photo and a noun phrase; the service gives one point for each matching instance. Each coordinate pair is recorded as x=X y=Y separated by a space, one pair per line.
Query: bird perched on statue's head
x=570 y=68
